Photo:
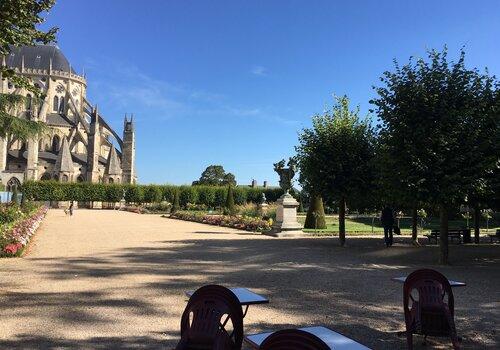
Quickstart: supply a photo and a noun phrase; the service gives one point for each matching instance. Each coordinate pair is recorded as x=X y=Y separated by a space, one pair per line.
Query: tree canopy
x=335 y=157
x=18 y=26
x=215 y=175
x=439 y=131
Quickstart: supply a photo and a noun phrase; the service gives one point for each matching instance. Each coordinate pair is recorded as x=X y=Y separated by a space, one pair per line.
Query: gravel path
x=116 y=280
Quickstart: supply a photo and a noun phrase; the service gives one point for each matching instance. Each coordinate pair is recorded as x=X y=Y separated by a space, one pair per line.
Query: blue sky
x=233 y=82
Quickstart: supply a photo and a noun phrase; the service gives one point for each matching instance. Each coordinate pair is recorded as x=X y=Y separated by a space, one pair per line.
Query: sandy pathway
x=107 y=279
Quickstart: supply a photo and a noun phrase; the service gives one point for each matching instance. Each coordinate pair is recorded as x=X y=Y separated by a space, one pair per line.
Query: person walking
x=387 y=220
x=71 y=209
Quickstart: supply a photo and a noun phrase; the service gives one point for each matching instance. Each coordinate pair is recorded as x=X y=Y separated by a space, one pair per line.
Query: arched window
x=55 y=104
x=56 y=142
x=56 y=177
x=61 y=105
x=13 y=183
x=80 y=178
x=28 y=102
x=64 y=178
x=110 y=180
x=45 y=177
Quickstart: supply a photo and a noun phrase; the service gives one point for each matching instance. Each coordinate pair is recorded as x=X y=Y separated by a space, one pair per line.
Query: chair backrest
x=207 y=313
x=293 y=339
x=432 y=288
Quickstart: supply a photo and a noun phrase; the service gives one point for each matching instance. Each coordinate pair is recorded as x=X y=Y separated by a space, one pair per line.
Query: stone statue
x=286 y=174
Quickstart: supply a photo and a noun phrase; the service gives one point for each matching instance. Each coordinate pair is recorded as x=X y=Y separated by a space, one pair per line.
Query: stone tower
x=128 y=152
x=94 y=147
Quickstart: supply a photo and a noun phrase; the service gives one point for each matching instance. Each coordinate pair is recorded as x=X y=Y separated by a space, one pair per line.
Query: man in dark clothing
x=387 y=220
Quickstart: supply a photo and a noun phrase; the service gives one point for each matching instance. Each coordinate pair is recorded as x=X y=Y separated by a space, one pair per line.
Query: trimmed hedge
x=211 y=196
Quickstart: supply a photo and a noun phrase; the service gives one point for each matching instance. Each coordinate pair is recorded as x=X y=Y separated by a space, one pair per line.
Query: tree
x=215 y=175
x=176 y=204
x=335 y=158
x=430 y=111
x=229 y=207
x=18 y=26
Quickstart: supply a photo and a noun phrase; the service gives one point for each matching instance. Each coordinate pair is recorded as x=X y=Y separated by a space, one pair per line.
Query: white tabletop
x=244 y=295
x=334 y=340
x=402 y=279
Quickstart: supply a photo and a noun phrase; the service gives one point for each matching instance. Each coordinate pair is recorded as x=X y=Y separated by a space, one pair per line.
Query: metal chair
x=293 y=339
x=429 y=314
x=205 y=317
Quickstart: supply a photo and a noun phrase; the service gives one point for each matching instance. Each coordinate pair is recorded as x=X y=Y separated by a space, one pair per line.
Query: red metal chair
x=428 y=313
x=207 y=313
x=293 y=339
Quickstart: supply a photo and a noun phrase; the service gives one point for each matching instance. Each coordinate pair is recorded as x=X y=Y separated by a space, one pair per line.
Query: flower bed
x=239 y=222
x=16 y=235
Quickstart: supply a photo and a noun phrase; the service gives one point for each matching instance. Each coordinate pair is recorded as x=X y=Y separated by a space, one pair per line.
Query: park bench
x=453 y=235
x=495 y=236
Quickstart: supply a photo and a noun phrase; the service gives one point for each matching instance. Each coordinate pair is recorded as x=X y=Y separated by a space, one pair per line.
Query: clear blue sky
x=232 y=82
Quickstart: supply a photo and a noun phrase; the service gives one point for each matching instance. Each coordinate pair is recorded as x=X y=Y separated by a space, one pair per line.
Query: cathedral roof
x=64 y=162
x=113 y=166
x=38 y=57
x=57 y=119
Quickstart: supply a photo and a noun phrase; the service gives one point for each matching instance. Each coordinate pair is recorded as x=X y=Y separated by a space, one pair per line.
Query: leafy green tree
x=215 y=175
x=229 y=207
x=335 y=157
x=435 y=119
x=18 y=26
x=153 y=194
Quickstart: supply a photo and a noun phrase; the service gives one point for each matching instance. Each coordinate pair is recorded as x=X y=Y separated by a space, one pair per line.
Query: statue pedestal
x=286 y=224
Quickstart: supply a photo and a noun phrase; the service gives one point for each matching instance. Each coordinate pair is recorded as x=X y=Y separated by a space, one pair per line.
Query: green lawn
x=364 y=225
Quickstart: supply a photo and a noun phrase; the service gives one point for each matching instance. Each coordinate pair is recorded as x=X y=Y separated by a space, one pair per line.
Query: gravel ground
x=116 y=280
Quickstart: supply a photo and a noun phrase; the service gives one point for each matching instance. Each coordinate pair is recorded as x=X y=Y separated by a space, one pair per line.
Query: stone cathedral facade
x=80 y=145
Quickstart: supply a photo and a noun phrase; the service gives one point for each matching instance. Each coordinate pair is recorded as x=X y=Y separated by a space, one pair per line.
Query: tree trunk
x=443 y=235
x=477 y=217
x=414 y=225
x=342 y=222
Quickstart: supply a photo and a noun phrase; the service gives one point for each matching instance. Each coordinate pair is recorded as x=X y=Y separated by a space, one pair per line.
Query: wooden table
x=402 y=279
x=245 y=296
x=334 y=340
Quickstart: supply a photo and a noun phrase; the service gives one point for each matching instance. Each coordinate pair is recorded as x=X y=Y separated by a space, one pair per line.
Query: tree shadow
x=309 y=281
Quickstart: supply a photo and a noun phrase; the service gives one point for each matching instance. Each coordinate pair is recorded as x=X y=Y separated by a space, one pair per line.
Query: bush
x=220 y=196
x=153 y=194
x=114 y=193
x=315 y=218
x=206 y=195
x=169 y=193
x=229 y=207
x=176 y=202
x=134 y=194
x=188 y=194
x=240 y=195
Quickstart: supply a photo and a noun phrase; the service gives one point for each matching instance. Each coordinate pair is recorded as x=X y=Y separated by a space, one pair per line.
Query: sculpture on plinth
x=286 y=213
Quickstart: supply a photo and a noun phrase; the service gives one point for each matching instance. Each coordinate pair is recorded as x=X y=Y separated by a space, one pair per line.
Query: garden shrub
x=229 y=207
x=220 y=196
x=315 y=218
x=169 y=192
x=176 y=202
x=114 y=193
x=188 y=194
x=134 y=194
x=153 y=194
x=206 y=195
x=240 y=195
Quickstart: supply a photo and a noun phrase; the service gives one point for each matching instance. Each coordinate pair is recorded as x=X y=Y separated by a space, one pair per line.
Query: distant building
x=79 y=146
